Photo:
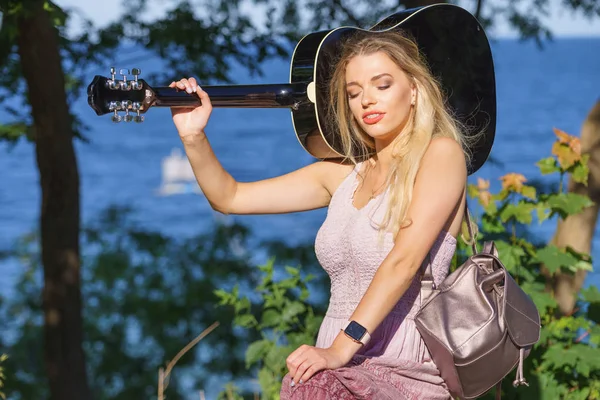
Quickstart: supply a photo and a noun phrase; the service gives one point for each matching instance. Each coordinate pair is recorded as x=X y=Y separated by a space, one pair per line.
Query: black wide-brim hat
x=457 y=51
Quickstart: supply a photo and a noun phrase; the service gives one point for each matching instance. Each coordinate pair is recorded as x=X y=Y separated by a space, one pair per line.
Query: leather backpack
x=478 y=324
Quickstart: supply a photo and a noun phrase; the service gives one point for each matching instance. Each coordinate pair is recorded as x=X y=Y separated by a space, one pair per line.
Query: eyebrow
x=372 y=79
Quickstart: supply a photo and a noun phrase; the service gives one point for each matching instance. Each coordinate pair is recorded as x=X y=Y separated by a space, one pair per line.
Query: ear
x=413 y=92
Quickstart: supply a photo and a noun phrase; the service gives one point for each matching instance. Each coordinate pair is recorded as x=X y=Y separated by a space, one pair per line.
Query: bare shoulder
x=332 y=172
x=445 y=152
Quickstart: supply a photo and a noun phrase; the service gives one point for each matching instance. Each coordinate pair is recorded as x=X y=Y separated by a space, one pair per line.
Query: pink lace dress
x=395 y=364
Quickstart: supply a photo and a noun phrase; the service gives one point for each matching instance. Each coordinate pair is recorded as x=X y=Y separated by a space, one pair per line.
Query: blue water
x=537 y=90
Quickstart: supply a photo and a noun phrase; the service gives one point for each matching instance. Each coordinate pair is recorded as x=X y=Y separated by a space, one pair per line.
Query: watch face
x=355 y=330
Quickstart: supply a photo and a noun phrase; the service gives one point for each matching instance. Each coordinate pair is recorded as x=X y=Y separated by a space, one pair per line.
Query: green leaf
x=292 y=310
x=245 y=321
x=548 y=165
x=242 y=305
x=554 y=258
x=491 y=208
x=256 y=351
x=266 y=379
x=288 y=283
x=521 y=212
x=529 y=192
x=276 y=356
x=552 y=389
x=542 y=212
x=472 y=190
x=591 y=294
x=582 y=265
x=540 y=297
x=491 y=224
x=566 y=204
x=580 y=171
x=510 y=255
x=270 y=318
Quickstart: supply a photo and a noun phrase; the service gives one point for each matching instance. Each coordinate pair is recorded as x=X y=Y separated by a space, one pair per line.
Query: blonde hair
x=430 y=118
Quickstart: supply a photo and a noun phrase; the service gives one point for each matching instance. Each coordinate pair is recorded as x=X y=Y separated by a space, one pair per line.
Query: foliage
x=283 y=318
x=146 y=295
x=3 y=357
x=565 y=363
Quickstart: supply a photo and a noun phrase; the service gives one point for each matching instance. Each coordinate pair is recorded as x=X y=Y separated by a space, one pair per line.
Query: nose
x=367 y=98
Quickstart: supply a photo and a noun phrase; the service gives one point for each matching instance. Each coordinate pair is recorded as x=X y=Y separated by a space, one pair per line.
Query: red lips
x=372 y=117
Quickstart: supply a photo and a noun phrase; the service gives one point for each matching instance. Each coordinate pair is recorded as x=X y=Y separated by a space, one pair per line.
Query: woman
x=397 y=204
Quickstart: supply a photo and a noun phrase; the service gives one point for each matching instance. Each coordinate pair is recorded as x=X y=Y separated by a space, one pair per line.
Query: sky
x=563 y=23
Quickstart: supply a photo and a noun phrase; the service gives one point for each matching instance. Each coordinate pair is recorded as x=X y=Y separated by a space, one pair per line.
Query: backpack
x=478 y=324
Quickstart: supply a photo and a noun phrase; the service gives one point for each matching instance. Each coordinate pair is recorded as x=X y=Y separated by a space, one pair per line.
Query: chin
x=378 y=132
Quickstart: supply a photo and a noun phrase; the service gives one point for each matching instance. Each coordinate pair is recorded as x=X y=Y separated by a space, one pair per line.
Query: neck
x=383 y=147
x=382 y=157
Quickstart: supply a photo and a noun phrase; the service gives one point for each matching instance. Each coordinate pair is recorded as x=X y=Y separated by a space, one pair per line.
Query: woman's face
x=380 y=95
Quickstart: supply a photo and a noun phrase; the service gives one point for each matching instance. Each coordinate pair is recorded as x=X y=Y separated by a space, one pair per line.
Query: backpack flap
x=520 y=314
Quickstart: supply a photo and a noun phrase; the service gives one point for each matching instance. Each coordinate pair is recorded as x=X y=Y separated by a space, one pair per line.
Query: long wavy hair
x=429 y=118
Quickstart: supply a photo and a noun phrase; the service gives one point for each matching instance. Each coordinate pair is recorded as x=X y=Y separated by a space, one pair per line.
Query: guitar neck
x=238 y=96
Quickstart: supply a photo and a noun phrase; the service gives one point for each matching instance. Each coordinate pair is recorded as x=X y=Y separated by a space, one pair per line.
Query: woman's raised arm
x=307 y=188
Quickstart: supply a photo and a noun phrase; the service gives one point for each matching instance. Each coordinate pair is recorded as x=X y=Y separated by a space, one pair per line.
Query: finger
x=205 y=100
x=188 y=85
x=182 y=84
x=294 y=360
x=300 y=371
x=310 y=371
x=193 y=83
x=172 y=84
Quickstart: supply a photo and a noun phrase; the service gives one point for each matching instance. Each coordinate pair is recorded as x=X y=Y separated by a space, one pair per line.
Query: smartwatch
x=357 y=332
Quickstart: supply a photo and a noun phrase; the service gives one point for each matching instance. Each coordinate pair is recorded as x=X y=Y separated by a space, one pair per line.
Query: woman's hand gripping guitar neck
x=216 y=183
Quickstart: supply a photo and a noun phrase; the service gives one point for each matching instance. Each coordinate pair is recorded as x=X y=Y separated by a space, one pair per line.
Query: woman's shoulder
x=444 y=148
x=444 y=156
x=445 y=144
x=333 y=172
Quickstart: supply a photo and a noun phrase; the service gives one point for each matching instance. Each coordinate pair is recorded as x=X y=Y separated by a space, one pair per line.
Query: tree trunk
x=59 y=221
x=577 y=231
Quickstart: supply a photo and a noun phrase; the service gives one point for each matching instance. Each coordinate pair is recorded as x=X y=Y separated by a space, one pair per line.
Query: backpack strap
x=427 y=284
x=490 y=248
x=472 y=240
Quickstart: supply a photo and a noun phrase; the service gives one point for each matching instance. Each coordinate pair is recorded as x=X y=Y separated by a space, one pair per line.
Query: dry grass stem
x=163 y=375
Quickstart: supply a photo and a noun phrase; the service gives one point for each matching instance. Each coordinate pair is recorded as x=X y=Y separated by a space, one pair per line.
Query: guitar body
x=451 y=39
x=449 y=36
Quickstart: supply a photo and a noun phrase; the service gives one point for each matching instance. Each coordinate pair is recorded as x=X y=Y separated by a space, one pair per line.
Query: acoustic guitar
x=451 y=39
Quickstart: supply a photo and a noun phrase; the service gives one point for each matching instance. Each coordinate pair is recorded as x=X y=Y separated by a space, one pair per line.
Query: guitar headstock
x=127 y=98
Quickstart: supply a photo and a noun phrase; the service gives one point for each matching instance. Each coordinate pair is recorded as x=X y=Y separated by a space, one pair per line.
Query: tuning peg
x=124 y=85
x=126 y=104
x=112 y=83
x=135 y=85
x=116 y=117
x=136 y=108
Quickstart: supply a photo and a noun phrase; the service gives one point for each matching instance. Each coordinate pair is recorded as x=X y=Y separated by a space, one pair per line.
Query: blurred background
x=120 y=198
